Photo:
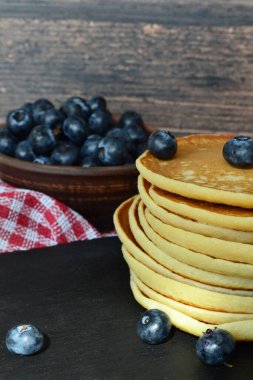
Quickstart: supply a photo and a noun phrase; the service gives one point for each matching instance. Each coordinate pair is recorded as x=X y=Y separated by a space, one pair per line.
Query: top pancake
x=199 y=171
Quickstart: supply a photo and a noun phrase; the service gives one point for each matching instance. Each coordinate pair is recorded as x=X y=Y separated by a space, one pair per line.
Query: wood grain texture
x=186 y=65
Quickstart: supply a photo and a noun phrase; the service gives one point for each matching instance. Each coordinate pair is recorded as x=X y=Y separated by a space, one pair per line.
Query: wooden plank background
x=185 y=64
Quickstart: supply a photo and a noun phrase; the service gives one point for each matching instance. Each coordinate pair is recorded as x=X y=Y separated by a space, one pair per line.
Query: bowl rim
x=31 y=167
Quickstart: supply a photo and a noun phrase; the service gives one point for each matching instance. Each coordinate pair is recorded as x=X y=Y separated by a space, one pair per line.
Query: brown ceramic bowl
x=93 y=192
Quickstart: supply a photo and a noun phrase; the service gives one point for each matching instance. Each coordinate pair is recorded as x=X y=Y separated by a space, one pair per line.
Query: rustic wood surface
x=185 y=64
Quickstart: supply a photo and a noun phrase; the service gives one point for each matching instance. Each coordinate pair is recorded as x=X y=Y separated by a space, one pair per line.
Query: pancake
x=221 y=249
x=185 y=270
x=157 y=267
x=187 y=223
x=243 y=304
x=188 y=294
x=199 y=171
x=192 y=258
x=216 y=214
x=142 y=257
x=241 y=330
x=188 y=238
x=202 y=315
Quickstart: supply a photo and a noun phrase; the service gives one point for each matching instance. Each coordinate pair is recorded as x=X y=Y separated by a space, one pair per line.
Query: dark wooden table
x=185 y=64
x=79 y=295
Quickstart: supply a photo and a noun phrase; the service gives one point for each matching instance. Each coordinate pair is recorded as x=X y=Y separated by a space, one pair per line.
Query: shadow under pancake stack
x=187 y=238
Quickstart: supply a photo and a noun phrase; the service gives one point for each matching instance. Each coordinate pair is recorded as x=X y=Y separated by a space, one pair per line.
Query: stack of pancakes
x=188 y=238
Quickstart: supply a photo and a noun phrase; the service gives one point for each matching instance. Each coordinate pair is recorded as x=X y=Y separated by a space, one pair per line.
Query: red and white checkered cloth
x=29 y=219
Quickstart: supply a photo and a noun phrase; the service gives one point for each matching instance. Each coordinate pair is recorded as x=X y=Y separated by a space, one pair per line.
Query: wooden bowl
x=93 y=192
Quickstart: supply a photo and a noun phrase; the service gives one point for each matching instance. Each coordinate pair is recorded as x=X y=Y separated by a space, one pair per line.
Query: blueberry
x=28 y=107
x=88 y=162
x=42 y=140
x=75 y=129
x=117 y=132
x=100 y=122
x=40 y=107
x=53 y=119
x=215 y=347
x=112 y=151
x=90 y=146
x=154 y=327
x=43 y=160
x=97 y=102
x=131 y=119
x=135 y=134
x=7 y=142
x=238 y=152
x=162 y=144
x=76 y=107
x=25 y=339
x=65 y=153
x=19 y=122
x=121 y=134
x=24 y=151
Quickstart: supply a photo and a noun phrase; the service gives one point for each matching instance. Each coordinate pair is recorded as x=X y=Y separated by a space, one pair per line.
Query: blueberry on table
x=154 y=326
x=65 y=153
x=24 y=151
x=112 y=151
x=75 y=129
x=40 y=107
x=162 y=144
x=90 y=147
x=238 y=151
x=42 y=139
x=131 y=119
x=76 y=107
x=7 y=142
x=19 y=122
x=25 y=339
x=100 y=122
x=215 y=346
x=97 y=102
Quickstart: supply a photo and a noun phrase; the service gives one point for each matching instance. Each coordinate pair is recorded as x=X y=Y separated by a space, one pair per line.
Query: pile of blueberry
x=80 y=132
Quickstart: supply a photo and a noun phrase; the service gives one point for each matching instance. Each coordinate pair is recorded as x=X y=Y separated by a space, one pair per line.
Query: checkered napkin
x=29 y=219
